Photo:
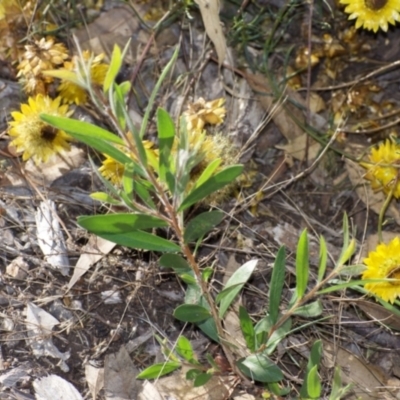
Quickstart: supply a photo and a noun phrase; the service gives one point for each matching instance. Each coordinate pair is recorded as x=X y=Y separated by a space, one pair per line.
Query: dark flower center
x=394 y=274
x=48 y=133
x=375 y=5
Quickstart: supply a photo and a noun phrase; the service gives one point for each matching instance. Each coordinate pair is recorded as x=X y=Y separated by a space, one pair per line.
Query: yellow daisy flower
x=114 y=170
x=373 y=14
x=73 y=93
x=33 y=136
x=201 y=113
x=384 y=168
x=384 y=263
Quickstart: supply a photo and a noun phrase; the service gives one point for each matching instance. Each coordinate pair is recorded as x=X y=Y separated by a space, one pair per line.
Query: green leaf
x=313 y=363
x=166 y=130
x=75 y=127
x=314 y=383
x=276 y=286
x=191 y=313
x=140 y=240
x=175 y=262
x=260 y=368
x=323 y=258
x=166 y=136
x=262 y=329
x=347 y=253
x=208 y=172
x=141 y=188
x=247 y=328
x=206 y=273
x=192 y=373
x=202 y=224
x=310 y=310
x=234 y=285
x=348 y=248
x=214 y=183
x=113 y=69
x=185 y=349
x=155 y=91
x=104 y=198
x=278 y=389
x=119 y=223
x=277 y=336
x=192 y=294
x=338 y=392
x=157 y=370
x=208 y=326
x=302 y=265
x=188 y=278
x=202 y=379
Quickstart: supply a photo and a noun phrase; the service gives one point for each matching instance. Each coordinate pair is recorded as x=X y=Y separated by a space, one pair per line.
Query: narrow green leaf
x=236 y=282
x=141 y=188
x=314 y=383
x=279 y=390
x=75 y=127
x=313 y=363
x=310 y=310
x=214 y=183
x=191 y=313
x=118 y=105
x=208 y=172
x=347 y=253
x=202 y=379
x=202 y=224
x=185 y=349
x=192 y=373
x=166 y=130
x=192 y=294
x=276 y=285
x=302 y=265
x=157 y=370
x=260 y=368
x=175 y=262
x=247 y=328
x=119 y=223
x=166 y=136
x=262 y=329
x=155 y=91
x=113 y=69
x=140 y=240
x=206 y=273
x=208 y=326
x=316 y=353
x=188 y=278
x=323 y=258
x=104 y=198
x=277 y=336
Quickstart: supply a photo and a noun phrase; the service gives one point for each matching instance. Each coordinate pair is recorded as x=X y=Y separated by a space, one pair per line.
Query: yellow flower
x=383 y=168
x=43 y=55
x=73 y=93
x=384 y=263
x=33 y=136
x=202 y=112
x=114 y=171
x=373 y=14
